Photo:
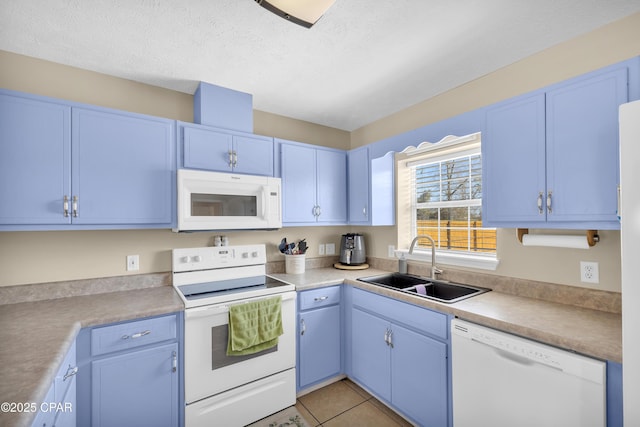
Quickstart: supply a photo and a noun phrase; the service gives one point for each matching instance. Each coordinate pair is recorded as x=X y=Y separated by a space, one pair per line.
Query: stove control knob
x=245 y=254
x=184 y=259
x=254 y=254
x=196 y=258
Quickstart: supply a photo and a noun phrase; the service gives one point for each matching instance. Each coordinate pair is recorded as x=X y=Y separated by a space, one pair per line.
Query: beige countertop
x=591 y=332
x=35 y=337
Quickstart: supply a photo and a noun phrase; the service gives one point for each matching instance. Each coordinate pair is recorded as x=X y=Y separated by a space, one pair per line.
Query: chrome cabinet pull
x=318 y=299
x=174 y=362
x=136 y=335
x=364 y=211
x=65 y=206
x=548 y=201
x=230 y=158
x=75 y=206
x=386 y=336
x=303 y=327
x=390 y=338
x=235 y=158
x=71 y=371
x=540 y=209
x=319 y=212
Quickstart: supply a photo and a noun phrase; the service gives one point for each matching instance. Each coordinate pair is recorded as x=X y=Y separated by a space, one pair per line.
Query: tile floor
x=344 y=403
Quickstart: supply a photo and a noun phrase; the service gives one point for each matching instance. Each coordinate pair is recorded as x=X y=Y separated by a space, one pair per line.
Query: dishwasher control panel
x=527 y=351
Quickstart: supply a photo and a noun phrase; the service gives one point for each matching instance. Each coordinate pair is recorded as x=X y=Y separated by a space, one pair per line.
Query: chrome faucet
x=434 y=269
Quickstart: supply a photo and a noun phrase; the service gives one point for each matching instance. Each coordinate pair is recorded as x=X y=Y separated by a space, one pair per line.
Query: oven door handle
x=209 y=310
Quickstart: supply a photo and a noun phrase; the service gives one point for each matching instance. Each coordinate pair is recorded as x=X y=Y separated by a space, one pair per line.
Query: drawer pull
x=136 y=335
x=71 y=371
x=174 y=362
x=303 y=327
x=319 y=299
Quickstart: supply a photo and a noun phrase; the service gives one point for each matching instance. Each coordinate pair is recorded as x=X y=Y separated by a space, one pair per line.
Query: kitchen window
x=440 y=186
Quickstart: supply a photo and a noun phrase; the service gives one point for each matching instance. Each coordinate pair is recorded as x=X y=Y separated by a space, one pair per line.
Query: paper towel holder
x=592 y=236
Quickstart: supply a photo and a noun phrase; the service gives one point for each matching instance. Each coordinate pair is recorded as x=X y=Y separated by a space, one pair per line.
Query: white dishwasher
x=502 y=380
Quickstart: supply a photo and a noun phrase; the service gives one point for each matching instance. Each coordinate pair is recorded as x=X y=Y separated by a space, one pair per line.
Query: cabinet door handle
x=549 y=201
x=364 y=211
x=386 y=337
x=136 y=335
x=71 y=371
x=303 y=327
x=65 y=206
x=230 y=158
x=235 y=158
x=319 y=299
x=174 y=362
x=319 y=211
x=540 y=208
x=390 y=338
x=75 y=206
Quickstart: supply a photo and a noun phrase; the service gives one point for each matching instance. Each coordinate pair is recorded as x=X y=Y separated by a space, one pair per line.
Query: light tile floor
x=344 y=403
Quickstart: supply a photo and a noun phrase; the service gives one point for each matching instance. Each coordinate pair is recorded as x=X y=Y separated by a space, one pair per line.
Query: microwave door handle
x=265 y=191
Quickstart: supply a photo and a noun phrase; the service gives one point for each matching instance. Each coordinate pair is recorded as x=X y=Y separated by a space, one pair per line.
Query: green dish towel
x=254 y=326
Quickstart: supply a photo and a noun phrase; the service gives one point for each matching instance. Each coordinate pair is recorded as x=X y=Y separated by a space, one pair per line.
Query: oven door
x=209 y=371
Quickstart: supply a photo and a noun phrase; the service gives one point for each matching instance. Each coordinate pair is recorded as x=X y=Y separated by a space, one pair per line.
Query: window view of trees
x=448 y=205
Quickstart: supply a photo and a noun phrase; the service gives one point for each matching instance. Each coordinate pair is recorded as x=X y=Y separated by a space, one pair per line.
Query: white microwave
x=225 y=201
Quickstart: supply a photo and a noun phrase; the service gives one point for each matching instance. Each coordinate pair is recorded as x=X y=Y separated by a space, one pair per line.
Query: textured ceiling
x=362 y=61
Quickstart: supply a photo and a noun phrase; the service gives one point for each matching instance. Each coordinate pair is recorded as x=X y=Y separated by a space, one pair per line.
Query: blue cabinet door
x=319 y=345
x=207 y=149
x=582 y=148
x=419 y=377
x=358 y=178
x=298 y=172
x=332 y=186
x=122 y=168
x=225 y=151
x=370 y=353
x=253 y=154
x=136 y=389
x=35 y=155
x=513 y=169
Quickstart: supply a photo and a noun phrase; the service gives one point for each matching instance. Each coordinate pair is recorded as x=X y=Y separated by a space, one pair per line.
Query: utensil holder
x=294 y=264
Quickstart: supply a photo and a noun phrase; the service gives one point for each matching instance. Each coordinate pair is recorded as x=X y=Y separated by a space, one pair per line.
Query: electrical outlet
x=330 y=248
x=320 y=249
x=133 y=262
x=589 y=272
x=391 y=251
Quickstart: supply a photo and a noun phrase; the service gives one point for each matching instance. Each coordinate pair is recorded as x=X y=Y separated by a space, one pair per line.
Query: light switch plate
x=330 y=248
x=133 y=262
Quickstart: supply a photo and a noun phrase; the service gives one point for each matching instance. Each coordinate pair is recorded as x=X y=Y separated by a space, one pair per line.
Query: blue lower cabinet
x=319 y=336
x=130 y=373
x=399 y=352
x=614 y=395
x=139 y=388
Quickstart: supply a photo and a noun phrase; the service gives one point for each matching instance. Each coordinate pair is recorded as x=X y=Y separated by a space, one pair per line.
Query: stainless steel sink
x=438 y=290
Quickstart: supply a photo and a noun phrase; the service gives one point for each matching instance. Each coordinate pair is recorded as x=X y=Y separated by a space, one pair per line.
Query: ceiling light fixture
x=301 y=12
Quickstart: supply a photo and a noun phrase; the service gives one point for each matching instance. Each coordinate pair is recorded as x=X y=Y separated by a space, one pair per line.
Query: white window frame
x=449 y=147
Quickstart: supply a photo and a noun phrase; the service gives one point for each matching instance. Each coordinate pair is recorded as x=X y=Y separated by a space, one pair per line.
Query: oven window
x=222 y=205
x=219 y=358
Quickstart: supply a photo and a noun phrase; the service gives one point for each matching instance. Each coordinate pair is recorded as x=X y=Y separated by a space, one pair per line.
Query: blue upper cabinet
x=358 y=168
x=314 y=184
x=35 y=155
x=122 y=168
x=68 y=167
x=550 y=158
x=224 y=150
x=371 y=188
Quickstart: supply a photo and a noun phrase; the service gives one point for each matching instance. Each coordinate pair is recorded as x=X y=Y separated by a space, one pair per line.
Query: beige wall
x=35 y=257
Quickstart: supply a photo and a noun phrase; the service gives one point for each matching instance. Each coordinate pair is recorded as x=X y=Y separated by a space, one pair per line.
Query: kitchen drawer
x=319 y=297
x=417 y=318
x=124 y=336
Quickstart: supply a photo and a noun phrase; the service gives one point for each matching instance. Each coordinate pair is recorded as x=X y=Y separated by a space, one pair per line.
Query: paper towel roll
x=557 y=241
